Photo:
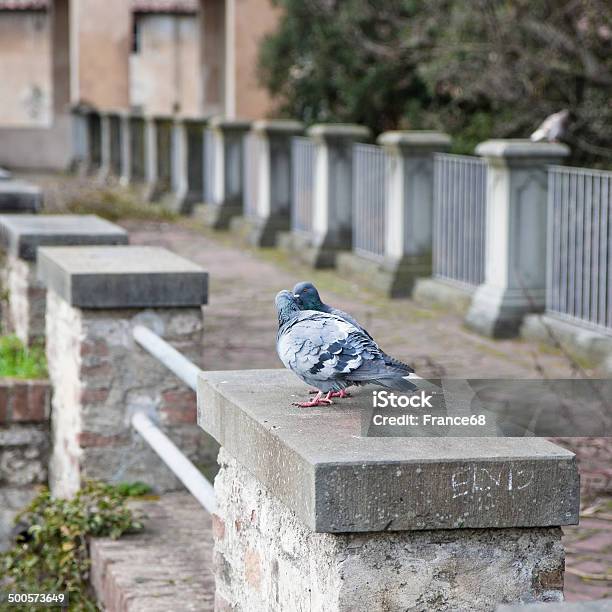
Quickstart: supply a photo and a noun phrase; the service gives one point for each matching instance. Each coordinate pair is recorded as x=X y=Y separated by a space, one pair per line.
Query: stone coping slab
x=21 y=235
x=339 y=130
x=122 y=277
x=519 y=147
x=317 y=463
x=415 y=139
x=19 y=197
x=281 y=126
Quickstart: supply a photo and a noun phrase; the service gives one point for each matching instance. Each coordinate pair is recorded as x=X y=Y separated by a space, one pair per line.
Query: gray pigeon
x=553 y=128
x=329 y=353
x=308 y=298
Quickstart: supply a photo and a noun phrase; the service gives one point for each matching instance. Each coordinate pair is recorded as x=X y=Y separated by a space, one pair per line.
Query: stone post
x=162 y=185
x=271 y=213
x=187 y=163
x=95 y=296
x=150 y=167
x=228 y=177
x=112 y=145
x=408 y=215
x=333 y=189
x=134 y=172
x=515 y=269
x=20 y=237
x=311 y=516
x=81 y=147
x=125 y=145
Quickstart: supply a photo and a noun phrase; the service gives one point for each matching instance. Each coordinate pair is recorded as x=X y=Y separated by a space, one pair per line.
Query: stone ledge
x=122 y=277
x=518 y=147
x=21 y=235
x=316 y=463
x=20 y=197
x=166 y=567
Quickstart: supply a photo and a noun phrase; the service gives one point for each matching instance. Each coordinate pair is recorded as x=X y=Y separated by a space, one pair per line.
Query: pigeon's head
x=307 y=296
x=286 y=306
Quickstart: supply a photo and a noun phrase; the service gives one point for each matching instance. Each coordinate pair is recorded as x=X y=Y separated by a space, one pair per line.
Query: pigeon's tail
x=396 y=363
x=397 y=383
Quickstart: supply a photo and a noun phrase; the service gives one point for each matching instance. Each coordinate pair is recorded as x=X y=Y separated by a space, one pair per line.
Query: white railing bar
x=167 y=355
x=178 y=463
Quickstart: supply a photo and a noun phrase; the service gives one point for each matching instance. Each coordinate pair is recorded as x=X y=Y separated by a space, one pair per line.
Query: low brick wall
x=24 y=446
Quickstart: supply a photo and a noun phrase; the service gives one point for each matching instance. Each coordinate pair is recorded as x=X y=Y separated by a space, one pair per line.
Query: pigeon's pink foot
x=340 y=394
x=319 y=400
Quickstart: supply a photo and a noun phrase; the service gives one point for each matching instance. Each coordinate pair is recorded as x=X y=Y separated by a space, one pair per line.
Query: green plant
x=19 y=361
x=115 y=204
x=52 y=552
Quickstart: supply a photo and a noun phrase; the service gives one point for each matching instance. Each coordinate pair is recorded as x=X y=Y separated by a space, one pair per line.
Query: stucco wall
x=253 y=19
x=164 y=72
x=25 y=69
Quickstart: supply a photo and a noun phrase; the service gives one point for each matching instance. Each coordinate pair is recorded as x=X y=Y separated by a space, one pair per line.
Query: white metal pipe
x=169 y=356
x=181 y=467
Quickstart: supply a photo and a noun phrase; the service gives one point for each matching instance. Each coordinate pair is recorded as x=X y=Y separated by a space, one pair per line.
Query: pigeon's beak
x=296 y=295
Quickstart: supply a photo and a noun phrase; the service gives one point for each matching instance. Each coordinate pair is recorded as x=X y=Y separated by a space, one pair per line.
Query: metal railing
x=369 y=200
x=302 y=184
x=168 y=452
x=459 y=219
x=579 y=265
x=209 y=166
x=252 y=153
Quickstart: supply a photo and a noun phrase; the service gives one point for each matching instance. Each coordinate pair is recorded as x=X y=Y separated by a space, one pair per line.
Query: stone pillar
x=162 y=186
x=408 y=215
x=20 y=237
x=272 y=200
x=125 y=146
x=333 y=189
x=136 y=161
x=515 y=269
x=228 y=172
x=150 y=168
x=80 y=140
x=95 y=296
x=187 y=163
x=332 y=521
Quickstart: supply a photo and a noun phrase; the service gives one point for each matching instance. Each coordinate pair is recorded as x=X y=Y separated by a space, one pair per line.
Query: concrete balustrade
x=408 y=223
x=313 y=516
x=272 y=166
x=159 y=180
x=134 y=156
x=95 y=296
x=515 y=269
x=20 y=236
x=228 y=169
x=112 y=143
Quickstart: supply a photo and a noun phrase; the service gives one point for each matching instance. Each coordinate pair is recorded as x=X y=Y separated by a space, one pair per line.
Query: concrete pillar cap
x=519 y=147
x=347 y=131
x=415 y=139
x=223 y=123
x=281 y=126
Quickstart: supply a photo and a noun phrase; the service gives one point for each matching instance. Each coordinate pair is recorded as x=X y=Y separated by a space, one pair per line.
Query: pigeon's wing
x=347 y=317
x=321 y=346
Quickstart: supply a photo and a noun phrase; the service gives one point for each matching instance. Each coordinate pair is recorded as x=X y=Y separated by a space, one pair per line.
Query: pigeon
x=308 y=298
x=329 y=353
x=553 y=128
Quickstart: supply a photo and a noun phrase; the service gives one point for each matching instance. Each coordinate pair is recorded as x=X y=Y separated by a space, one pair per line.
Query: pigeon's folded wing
x=321 y=346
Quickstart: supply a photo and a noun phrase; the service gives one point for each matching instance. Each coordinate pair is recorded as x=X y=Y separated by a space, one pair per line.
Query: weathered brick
x=19 y=401
x=89 y=439
x=30 y=401
x=5 y=387
x=94 y=396
x=178 y=406
x=252 y=568
x=218 y=527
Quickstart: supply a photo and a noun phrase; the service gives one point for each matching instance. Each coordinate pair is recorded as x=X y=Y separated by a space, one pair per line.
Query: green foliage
x=54 y=556
x=18 y=361
x=116 y=204
x=481 y=69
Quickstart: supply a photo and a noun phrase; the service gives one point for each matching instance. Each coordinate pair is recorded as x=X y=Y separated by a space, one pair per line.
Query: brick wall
x=24 y=446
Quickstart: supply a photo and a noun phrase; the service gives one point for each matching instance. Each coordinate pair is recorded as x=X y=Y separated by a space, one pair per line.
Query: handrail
x=172 y=456
x=168 y=452
x=167 y=355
